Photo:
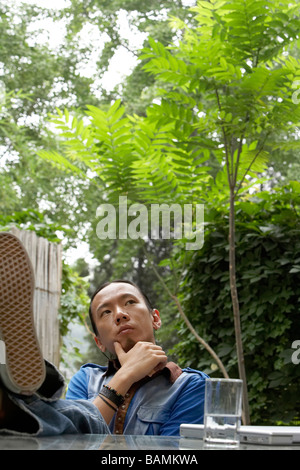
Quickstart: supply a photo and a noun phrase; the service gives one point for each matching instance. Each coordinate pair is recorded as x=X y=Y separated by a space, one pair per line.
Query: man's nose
x=121 y=316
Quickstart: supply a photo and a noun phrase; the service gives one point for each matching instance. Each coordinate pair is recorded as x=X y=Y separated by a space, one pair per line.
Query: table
x=119 y=444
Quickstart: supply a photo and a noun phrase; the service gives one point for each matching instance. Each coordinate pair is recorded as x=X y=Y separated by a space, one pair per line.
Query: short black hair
x=145 y=297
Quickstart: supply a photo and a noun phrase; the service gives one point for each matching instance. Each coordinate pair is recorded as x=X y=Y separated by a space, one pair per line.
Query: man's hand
x=143 y=359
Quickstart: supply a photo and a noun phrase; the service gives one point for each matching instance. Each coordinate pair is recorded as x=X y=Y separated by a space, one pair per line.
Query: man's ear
x=156 y=319
x=99 y=344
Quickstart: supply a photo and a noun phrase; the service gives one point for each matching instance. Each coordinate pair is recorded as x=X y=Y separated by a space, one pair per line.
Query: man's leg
x=29 y=386
x=13 y=418
x=22 y=366
x=38 y=417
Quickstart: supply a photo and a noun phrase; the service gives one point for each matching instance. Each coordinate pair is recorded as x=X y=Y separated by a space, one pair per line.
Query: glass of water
x=222 y=412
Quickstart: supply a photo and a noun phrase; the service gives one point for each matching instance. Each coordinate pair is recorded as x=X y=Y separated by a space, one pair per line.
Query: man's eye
x=131 y=301
x=105 y=312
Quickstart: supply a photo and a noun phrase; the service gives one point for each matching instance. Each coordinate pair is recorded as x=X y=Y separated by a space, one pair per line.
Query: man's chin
x=128 y=344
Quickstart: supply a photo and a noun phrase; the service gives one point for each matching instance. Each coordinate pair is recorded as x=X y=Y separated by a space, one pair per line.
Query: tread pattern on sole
x=24 y=362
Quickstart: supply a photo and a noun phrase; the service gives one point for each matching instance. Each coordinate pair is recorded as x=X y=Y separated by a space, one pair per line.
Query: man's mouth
x=124 y=330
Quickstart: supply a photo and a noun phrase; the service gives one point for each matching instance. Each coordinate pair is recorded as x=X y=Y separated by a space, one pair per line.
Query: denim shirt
x=157 y=407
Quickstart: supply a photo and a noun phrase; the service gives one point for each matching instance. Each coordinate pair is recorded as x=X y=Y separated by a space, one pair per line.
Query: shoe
x=22 y=368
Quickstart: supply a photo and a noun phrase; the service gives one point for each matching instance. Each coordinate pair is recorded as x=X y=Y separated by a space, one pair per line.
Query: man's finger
x=119 y=350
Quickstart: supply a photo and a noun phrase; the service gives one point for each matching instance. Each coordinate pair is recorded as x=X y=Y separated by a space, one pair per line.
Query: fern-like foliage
x=225 y=97
x=241 y=74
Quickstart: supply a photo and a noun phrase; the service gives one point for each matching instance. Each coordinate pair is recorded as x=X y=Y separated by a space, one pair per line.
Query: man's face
x=120 y=314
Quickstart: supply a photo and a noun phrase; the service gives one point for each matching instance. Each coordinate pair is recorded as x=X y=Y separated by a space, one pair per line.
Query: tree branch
x=229 y=175
x=188 y=323
x=250 y=164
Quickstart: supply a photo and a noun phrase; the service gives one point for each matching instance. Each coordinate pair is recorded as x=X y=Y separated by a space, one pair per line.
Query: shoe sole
x=24 y=369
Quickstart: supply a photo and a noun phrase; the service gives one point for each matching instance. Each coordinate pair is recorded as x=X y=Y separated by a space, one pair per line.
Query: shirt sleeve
x=78 y=387
x=189 y=406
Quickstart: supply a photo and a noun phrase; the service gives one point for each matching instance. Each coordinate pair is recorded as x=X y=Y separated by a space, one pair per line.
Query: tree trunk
x=236 y=309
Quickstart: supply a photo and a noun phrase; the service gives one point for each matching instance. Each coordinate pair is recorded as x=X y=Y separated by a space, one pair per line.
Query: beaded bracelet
x=112 y=395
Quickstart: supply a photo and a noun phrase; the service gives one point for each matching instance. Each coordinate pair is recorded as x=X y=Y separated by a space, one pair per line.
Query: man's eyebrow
x=121 y=297
x=102 y=306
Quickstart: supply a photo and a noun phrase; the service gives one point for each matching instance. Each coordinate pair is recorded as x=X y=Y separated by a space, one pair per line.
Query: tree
x=225 y=97
x=247 y=102
x=34 y=78
x=143 y=18
x=268 y=266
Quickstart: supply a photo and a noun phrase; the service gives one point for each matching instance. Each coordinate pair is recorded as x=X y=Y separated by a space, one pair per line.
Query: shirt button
x=117 y=431
x=126 y=395
x=123 y=407
x=119 y=419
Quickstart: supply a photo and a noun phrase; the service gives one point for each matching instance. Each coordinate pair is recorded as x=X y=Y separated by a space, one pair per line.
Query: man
x=138 y=393
x=158 y=396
